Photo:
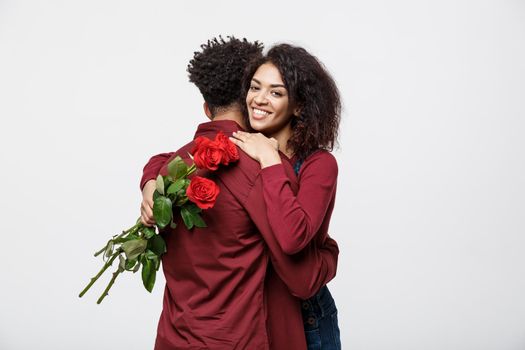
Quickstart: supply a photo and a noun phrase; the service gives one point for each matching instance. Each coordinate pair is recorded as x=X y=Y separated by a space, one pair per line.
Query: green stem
x=102 y=250
x=131 y=230
x=110 y=284
x=191 y=170
x=104 y=268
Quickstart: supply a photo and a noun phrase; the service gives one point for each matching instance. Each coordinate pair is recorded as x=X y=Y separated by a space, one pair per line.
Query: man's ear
x=207 y=110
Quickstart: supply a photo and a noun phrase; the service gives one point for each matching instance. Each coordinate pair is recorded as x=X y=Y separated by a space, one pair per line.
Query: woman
x=293 y=100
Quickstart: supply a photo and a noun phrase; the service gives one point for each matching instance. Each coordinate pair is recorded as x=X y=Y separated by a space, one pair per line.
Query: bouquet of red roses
x=178 y=192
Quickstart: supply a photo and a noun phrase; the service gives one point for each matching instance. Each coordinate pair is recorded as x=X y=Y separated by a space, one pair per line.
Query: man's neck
x=233 y=114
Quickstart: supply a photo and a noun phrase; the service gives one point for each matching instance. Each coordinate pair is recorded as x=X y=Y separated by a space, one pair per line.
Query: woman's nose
x=260 y=98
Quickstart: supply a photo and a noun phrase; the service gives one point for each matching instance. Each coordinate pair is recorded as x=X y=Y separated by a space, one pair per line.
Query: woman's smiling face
x=268 y=103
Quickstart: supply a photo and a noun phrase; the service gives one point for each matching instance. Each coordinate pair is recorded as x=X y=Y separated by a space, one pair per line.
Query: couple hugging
x=255 y=277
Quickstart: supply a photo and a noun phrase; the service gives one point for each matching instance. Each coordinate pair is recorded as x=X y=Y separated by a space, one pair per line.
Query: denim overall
x=320 y=315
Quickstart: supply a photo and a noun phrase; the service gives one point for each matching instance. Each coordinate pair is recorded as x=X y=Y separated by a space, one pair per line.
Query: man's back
x=214 y=280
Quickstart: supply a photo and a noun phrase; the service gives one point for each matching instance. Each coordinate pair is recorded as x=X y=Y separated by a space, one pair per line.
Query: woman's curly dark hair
x=217 y=69
x=312 y=89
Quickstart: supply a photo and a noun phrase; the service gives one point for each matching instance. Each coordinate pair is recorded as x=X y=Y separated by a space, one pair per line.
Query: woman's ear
x=297 y=111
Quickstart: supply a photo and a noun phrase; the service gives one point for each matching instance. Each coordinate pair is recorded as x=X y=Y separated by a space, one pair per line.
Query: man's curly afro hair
x=217 y=70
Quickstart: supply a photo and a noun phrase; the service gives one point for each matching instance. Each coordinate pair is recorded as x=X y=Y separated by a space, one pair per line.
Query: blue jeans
x=320 y=321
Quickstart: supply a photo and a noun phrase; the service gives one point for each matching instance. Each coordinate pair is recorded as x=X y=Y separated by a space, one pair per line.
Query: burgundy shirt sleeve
x=152 y=168
x=295 y=219
x=303 y=273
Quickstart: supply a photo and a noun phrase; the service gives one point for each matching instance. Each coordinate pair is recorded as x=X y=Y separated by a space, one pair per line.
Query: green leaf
x=157 y=245
x=156 y=195
x=122 y=263
x=176 y=186
x=193 y=208
x=148 y=274
x=134 y=248
x=137 y=267
x=162 y=211
x=148 y=254
x=197 y=221
x=130 y=264
x=130 y=237
x=160 y=184
x=157 y=263
x=148 y=232
x=109 y=249
x=181 y=201
x=187 y=217
x=177 y=168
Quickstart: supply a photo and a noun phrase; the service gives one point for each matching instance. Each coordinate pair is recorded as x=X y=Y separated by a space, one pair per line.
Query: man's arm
x=147 y=185
x=152 y=168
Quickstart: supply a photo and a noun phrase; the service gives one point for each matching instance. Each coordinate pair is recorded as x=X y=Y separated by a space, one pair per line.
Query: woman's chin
x=258 y=125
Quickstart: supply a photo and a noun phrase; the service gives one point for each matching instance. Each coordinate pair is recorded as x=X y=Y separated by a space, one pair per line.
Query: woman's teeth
x=260 y=112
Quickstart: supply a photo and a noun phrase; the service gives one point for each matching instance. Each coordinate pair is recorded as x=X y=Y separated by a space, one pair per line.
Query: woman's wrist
x=269 y=159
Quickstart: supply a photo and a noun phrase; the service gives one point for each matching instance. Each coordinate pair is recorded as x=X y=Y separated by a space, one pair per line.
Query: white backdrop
x=431 y=195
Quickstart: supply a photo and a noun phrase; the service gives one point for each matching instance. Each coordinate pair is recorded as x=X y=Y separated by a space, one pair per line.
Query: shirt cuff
x=274 y=173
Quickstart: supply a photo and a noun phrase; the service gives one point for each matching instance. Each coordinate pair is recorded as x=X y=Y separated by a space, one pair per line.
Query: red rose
x=207 y=154
x=203 y=192
x=231 y=154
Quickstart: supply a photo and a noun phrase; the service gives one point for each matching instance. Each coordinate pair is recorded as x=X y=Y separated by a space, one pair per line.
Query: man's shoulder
x=244 y=171
x=185 y=151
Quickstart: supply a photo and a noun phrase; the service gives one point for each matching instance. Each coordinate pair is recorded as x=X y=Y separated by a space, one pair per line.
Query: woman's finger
x=238 y=142
x=242 y=145
x=236 y=137
x=241 y=135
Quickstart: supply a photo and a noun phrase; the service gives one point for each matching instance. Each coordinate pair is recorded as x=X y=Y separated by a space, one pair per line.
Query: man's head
x=217 y=70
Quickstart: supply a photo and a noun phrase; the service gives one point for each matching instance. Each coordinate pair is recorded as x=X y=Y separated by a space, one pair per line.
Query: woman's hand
x=146 y=207
x=261 y=148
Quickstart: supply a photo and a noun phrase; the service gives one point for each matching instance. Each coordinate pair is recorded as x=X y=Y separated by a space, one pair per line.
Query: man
x=221 y=293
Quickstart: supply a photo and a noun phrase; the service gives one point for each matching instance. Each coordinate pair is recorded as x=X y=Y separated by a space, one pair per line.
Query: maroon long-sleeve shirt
x=214 y=294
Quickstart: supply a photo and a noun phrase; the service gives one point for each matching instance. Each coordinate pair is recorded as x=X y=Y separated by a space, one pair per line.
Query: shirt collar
x=227 y=126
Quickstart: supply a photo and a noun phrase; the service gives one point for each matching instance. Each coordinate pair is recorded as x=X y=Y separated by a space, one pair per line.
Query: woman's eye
x=254 y=88
x=276 y=93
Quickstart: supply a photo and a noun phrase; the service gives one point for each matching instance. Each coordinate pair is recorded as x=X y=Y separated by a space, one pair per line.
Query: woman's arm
x=296 y=219
x=303 y=273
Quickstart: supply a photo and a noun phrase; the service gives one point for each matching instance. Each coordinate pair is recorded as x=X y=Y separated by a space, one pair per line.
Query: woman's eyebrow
x=271 y=85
